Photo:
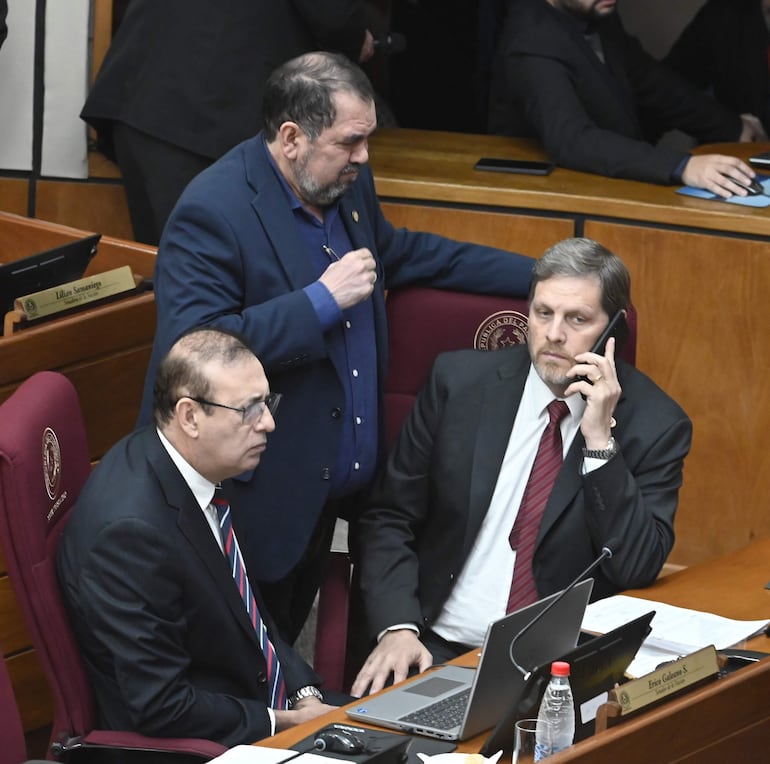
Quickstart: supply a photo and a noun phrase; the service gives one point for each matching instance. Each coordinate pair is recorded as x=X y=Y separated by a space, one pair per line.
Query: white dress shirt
x=480 y=593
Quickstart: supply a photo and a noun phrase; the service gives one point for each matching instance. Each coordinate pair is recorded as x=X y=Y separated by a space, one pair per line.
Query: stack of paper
x=675 y=631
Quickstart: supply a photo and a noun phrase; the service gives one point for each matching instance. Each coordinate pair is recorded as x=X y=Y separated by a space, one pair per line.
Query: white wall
x=64 y=149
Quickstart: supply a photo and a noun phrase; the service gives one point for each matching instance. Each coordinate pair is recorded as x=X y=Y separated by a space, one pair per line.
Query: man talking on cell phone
x=512 y=472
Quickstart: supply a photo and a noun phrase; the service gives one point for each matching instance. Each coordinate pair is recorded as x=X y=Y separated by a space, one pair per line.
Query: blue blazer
x=231 y=256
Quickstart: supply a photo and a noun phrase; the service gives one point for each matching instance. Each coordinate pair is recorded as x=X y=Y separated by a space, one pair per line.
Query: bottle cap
x=560 y=668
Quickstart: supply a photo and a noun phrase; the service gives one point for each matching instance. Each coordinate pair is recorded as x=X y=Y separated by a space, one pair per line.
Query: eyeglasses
x=252 y=413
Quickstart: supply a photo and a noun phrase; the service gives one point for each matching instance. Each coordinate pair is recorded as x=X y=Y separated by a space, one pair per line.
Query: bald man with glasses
x=176 y=641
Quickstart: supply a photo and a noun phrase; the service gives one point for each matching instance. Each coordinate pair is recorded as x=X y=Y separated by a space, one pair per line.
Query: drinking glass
x=524 y=743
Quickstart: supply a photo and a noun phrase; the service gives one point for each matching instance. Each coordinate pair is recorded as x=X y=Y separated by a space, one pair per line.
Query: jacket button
x=262 y=677
x=326 y=474
x=336 y=412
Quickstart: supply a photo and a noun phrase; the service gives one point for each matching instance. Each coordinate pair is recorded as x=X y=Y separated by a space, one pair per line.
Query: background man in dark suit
x=566 y=72
x=182 y=83
x=284 y=240
x=440 y=545
x=724 y=50
x=162 y=626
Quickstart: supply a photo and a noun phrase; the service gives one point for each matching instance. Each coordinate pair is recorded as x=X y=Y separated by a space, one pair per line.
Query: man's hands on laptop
x=395 y=654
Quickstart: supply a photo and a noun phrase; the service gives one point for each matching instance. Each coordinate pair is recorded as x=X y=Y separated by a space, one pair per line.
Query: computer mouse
x=753 y=189
x=338 y=741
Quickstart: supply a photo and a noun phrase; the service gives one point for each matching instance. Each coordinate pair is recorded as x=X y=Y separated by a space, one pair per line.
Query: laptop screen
x=596 y=666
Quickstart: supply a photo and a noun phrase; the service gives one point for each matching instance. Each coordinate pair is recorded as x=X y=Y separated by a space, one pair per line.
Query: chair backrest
x=44 y=462
x=13 y=748
x=424 y=322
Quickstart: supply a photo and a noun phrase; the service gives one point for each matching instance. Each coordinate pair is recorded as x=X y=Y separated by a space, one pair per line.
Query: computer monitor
x=43 y=270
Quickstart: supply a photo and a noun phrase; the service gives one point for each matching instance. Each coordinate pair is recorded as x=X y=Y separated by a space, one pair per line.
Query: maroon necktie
x=545 y=468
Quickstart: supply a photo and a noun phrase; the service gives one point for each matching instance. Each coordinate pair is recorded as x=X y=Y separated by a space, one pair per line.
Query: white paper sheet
x=257 y=754
x=675 y=631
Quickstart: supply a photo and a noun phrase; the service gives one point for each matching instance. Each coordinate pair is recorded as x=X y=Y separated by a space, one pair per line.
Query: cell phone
x=761 y=160
x=617 y=328
x=524 y=166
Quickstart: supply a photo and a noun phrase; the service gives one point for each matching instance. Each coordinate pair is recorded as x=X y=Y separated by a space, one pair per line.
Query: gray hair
x=584 y=258
x=302 y=90
x=180 y=372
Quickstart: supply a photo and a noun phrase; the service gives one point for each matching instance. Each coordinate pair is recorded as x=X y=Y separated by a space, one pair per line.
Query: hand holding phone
x=617 y=328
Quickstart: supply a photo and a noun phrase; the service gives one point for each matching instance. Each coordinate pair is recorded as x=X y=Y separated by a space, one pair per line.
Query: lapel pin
x=355 y=215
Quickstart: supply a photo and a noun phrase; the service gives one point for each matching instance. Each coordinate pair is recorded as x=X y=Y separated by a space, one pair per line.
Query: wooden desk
x=727 y=720
x=104 y=351
x=701 y=277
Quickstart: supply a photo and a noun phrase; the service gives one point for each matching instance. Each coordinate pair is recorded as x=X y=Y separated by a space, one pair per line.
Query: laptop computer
x=596 y=666
x=456 y=702
x=64 y=263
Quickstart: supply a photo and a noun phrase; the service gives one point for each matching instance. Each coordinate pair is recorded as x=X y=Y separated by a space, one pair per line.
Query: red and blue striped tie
x=278 y=697
x=545 y=468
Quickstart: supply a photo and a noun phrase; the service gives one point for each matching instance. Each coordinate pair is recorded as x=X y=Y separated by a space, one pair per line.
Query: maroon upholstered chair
x=44 y=462
x=13 y=749
x=422 y=322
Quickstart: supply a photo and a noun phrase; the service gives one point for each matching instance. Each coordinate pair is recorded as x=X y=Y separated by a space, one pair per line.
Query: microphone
x=390 y=44
x=606 y=554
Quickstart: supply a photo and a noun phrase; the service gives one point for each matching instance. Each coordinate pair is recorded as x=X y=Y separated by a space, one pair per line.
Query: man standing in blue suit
x=284 y=241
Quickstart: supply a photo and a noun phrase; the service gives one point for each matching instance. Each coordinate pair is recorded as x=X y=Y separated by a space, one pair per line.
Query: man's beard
x=314 y=193
x=551 y=373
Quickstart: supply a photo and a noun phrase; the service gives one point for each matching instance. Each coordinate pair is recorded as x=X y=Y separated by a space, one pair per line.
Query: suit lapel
x=195 y=528
x=501 y=399
x=276 y=216
x=570 y=479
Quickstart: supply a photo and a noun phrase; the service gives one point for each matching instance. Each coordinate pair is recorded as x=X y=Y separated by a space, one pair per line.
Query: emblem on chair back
x=51 y=463
x=501 y=330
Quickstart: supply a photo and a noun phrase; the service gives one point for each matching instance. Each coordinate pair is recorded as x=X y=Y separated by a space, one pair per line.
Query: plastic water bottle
x=557 y=709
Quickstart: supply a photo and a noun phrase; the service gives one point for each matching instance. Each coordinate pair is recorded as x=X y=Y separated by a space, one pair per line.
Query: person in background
x=512 y=472
x=724 y=51
x=3 y=25
x=567 y=73
x=147 y=563
x=283 y=240
x=183 y=80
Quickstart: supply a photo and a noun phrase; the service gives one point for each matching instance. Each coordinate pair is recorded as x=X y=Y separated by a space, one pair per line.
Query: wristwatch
x=305 y=692
x=602 y=453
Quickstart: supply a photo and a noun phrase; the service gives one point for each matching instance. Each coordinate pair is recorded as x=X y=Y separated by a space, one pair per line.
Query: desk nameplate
x=670 y=679
x=73 y=294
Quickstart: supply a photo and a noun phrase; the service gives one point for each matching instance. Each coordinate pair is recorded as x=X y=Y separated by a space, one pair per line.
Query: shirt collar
x=201 y=487
x=541 y=395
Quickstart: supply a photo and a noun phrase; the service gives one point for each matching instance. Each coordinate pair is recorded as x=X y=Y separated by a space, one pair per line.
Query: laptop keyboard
x=445 y=714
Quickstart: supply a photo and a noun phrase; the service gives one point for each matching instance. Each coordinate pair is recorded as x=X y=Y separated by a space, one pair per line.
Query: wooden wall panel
x=527 y=234
x=92 y=206
x=702 y=337
x=13 y=198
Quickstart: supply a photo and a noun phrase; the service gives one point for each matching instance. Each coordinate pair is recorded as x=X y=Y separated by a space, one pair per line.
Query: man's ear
x=290 y=136
x=187 y=413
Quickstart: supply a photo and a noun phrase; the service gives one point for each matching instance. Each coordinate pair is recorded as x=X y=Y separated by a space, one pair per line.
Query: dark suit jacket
x=427 y=508
x=724 y=50
x=231 y=255
x=160 y=622
x=549 y=84
x=192 y=72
